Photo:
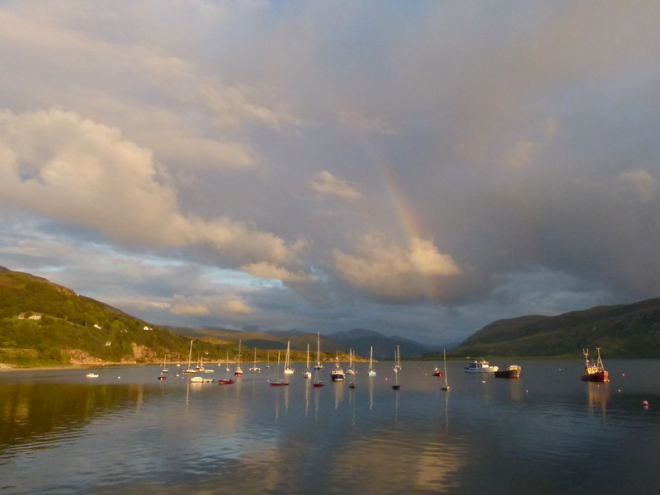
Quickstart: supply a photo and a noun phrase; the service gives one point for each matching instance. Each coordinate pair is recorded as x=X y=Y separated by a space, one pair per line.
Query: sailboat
x=190 y=370
x=288 y=370
x=307 y=373
x=268 y=361
x=227 y=367
x=205 y=370
x=337 y=374
x=317 y=383
x=255 y=368
x=396 y=368
x=164 y=370
x=319 y=364
x=372 y=372
x=350 y=370
x=397 y=360
x=446 y=388
x=239 y=370
x=279 y=382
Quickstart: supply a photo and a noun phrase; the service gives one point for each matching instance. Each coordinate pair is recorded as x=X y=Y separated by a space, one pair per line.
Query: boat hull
x=509 y=372
x=599 y=376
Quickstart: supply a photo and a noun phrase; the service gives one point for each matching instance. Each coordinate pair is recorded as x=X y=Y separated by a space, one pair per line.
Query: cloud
x=268 y=270
x=217 y=305
x=59 y=165
x=642 y=182
x=327 y=184
x=390 y=272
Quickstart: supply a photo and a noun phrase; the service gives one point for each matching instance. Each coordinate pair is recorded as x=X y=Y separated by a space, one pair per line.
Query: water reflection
x=45 y=410
x=598 y=395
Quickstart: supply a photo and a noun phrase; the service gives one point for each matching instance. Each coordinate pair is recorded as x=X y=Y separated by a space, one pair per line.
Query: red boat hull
x=225 y=381
x=599 y=376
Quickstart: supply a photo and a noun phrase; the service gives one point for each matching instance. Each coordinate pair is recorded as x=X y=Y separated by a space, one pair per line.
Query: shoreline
x=7 y=368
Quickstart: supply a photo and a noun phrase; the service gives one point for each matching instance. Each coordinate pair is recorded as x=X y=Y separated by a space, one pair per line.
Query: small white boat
x=255 y=368
x=92 y=375
x=319 y=364
x=190 y=370
x=199 y=379
x=350 y=370
x=372 y=372
x=480 y=367
x=307 y=373
x=288 y=370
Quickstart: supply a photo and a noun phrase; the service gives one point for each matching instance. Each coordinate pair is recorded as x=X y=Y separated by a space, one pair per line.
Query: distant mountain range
x=622 y=331
x=359 y=340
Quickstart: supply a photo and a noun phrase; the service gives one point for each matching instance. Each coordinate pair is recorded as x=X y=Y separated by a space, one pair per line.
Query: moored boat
x=199 y=379
x=480 y=367
x=337 y=374
x=372 y=371
x=437 y=372
x=239 y=370
x=92 y=375
x=511 y=371
x=594 y=371
x=225 y=381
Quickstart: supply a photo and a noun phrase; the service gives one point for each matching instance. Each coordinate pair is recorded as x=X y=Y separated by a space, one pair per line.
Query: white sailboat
x=372 y=372
x=239 y=370
x=446 y=388
x=350 y=370
x=255 y=368
x=227 y=367
x=396 y=368
x=307 y=373
x=190 y=370
x=319 y=364
x=288 y=370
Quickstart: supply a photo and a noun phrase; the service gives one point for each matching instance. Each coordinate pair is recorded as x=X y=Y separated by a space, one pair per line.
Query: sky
x=417 y=168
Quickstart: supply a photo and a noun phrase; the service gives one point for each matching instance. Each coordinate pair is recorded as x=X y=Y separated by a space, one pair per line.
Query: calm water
x=127 y=432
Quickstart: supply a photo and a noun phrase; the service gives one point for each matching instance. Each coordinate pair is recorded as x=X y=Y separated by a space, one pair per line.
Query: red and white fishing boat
x=594 y=371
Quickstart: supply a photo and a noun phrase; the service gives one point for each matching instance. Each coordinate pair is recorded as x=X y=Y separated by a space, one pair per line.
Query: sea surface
x=126 y=432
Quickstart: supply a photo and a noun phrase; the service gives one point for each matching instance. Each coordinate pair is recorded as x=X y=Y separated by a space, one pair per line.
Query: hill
x=384 y=347
x=45 y=324
x=622 y=331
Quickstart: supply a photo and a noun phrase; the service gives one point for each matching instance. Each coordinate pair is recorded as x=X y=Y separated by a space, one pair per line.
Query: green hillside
x=623 y=331
x=45 y=324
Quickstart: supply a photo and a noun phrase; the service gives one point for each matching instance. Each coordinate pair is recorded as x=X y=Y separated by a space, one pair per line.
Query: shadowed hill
x=622 y=331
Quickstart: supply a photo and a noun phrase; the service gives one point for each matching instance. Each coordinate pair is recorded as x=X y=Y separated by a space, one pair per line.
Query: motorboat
x=480 y=367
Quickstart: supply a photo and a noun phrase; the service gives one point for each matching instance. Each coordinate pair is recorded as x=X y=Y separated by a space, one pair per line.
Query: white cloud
x=642 y=182
x=393 y=272
x=64 y=167
x=216 y=305
x=327 y=184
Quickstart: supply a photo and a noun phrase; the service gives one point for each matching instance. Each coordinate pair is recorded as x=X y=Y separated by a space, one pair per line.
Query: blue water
x=127 y=432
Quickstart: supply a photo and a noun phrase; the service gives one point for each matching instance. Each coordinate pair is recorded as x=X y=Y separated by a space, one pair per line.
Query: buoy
x=385 y=378
x=483 y=381
x=645 y=403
